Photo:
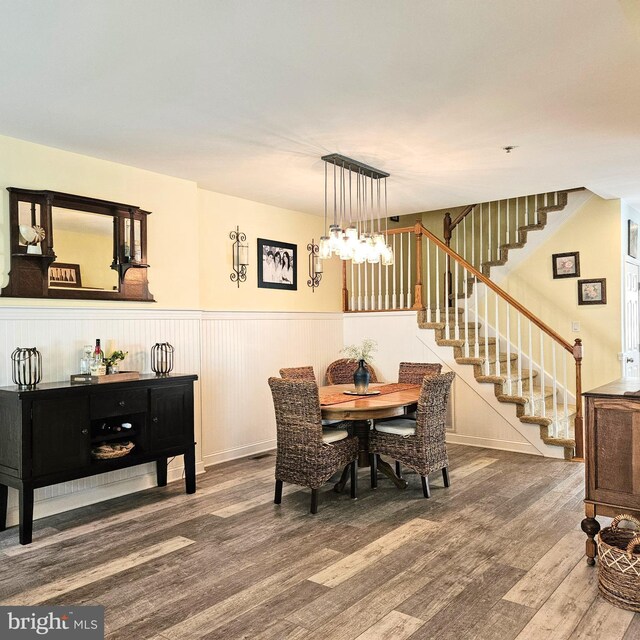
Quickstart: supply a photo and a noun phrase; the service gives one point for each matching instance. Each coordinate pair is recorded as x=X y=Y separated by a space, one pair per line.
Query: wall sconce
x=315 y=266
x=240 y=256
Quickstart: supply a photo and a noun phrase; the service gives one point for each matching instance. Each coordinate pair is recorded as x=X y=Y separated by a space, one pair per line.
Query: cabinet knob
x=121 y=403
x=154 y=419
x=84 y=432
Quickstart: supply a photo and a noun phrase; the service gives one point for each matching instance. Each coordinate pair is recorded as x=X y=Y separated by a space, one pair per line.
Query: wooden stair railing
x=542 y=396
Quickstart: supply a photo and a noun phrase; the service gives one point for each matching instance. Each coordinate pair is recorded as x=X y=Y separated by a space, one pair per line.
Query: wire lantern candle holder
x=162 y=358
x=26 y=367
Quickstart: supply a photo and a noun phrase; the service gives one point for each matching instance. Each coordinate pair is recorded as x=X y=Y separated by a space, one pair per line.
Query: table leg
x=25 y=504
x=591 y=527
x=387 y=470
x=4 y=491
x=361 y=429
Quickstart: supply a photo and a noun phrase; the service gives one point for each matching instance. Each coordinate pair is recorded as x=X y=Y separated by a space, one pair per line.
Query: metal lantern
x=162 y=358
x=26 y=367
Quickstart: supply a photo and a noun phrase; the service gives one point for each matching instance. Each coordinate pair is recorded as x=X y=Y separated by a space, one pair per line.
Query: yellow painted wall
x=595 y=231
x=172 y=201
x=189 y=249
x=219 y=215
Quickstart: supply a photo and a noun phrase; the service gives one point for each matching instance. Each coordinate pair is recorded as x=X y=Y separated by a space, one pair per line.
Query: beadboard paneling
x=239 y=353
x=232 y=353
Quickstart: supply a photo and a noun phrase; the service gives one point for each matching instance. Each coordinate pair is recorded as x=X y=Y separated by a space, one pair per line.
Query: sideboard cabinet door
x=60 y=434
x=169 y=425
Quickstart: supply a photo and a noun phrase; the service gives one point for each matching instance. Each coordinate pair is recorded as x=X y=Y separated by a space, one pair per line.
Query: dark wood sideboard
x=612 y=433
x=47 y=433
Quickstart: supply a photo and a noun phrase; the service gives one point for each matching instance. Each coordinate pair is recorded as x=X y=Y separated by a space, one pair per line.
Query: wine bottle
x=98 y=367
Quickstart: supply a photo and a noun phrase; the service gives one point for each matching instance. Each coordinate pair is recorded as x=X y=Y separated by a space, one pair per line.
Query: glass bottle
x=98 y=368
x=85 y=361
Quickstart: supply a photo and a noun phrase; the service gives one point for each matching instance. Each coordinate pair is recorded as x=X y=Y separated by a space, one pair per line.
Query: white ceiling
x=244 y=96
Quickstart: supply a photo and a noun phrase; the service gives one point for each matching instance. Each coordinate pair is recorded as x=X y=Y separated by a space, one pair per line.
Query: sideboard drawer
x=106 y=404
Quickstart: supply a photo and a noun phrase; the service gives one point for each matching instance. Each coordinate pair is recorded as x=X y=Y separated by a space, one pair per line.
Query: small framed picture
x=566 y=265
x=633 y=239
x=592 y=291
x=64 y=274
x=277 y=265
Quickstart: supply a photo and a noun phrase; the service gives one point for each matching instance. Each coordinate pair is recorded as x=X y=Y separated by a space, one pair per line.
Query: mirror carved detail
x=69 y=246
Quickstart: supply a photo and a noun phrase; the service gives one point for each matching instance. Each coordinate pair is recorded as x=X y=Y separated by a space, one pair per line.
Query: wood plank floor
x=498 y=555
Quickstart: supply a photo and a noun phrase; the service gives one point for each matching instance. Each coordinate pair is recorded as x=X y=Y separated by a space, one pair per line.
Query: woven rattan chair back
x=341 y=371
x=425 y=450
x=298 y=373
x=301 y=455
x=416 y=372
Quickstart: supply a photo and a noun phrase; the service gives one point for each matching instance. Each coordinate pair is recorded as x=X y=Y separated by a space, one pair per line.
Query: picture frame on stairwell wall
x=566 y=265
x=592 y=291
x=632 y=249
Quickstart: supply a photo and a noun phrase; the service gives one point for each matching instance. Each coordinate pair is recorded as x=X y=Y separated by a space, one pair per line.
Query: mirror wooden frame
x=29 y=273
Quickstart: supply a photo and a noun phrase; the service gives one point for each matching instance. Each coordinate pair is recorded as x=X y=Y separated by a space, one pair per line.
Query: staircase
x=512 y=382
x=449 y=284
x=484 y=234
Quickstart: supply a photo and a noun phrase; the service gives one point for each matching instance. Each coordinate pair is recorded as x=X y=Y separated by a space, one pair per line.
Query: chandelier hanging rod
x=353 y=165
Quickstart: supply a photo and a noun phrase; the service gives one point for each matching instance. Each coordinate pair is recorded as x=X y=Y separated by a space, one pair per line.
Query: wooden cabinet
x=47 y=434
x=613 y=455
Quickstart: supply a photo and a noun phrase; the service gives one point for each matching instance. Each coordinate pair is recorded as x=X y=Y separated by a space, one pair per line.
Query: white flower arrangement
x=363 y=351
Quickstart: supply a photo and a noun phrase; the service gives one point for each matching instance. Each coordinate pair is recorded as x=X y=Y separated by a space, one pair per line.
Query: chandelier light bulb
x=324 y=250
x=387 y=256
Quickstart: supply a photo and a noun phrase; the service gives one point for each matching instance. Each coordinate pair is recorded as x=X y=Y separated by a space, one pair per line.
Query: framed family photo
x=592 y=291
x=64 y=275
x=632 y=249
x=566 y=265
x=277 y=265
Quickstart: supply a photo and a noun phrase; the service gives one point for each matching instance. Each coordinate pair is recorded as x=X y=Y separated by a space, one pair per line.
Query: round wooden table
x=361 y=409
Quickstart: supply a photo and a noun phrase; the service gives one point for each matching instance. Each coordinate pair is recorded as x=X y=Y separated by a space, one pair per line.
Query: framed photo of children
x=566 y=265
x=277 y=265
x=64 y=275
x=592 y=291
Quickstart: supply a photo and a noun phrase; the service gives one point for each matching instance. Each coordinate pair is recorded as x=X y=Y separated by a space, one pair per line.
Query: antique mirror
x=68 y=246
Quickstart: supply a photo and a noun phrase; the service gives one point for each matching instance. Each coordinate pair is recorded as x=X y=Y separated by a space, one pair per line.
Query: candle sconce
x=240 y=256
x=315 y=266
x=26 y=369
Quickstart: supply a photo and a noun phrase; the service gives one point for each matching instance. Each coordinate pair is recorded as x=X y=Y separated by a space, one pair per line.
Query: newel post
x=418 y=304
x=578 y=422
x=345 y=292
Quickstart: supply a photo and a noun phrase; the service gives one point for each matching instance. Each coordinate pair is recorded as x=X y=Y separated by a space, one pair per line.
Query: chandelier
x=359 y=200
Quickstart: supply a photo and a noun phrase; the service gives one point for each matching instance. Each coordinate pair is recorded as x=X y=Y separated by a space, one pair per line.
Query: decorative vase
x=361 y=378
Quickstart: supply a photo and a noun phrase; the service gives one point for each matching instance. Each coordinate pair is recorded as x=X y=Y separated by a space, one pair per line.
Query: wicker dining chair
x=299 y=373
x=418 y=444
x=415 y=372
x=305 y=454
x=307 y=373
x=341 y=371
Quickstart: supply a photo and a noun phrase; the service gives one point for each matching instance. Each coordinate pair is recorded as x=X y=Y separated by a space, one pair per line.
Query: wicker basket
x=114 y=450
x=619 y=565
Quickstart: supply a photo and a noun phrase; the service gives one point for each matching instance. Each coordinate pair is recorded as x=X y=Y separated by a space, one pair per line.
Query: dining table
x=393 y=400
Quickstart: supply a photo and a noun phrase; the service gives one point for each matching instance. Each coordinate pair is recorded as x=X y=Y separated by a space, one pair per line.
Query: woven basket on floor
x=619 y=565
x=115 y=450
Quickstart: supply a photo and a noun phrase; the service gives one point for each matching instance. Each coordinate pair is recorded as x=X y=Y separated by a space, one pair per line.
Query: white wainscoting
x=239 y=353
x=232 y=353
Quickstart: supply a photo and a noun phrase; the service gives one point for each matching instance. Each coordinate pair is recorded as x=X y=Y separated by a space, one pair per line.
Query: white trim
x=271 y=315
x=491 y=443
x=239 y=452
x=69 y=501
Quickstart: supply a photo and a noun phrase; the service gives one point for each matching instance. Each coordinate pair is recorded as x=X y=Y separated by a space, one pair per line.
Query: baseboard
x=239 y=452
x=84 y=497
x=491 y=443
